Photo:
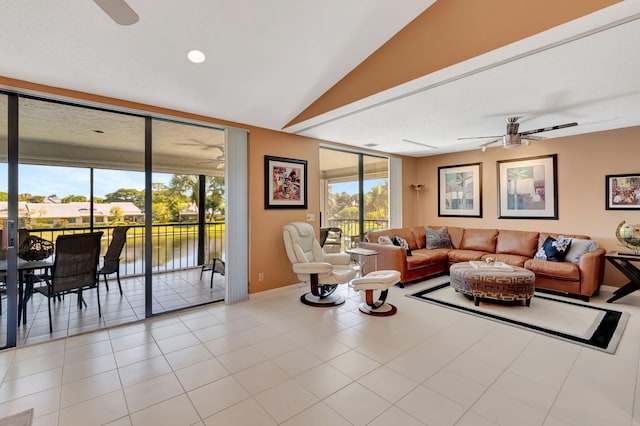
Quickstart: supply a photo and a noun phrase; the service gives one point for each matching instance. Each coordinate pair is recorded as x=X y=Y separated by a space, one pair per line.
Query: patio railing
x=351 y=229
x=175 y=245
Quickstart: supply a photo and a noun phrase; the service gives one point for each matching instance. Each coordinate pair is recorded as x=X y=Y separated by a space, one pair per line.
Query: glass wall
x=188 y=210
x=354 y=193
x=4 y=189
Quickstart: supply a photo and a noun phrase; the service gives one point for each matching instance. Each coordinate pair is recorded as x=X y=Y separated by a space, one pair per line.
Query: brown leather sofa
x=517 y=248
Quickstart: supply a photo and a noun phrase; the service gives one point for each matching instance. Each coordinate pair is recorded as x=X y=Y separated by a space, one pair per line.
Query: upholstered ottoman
x=510 y=284
x=376 y=280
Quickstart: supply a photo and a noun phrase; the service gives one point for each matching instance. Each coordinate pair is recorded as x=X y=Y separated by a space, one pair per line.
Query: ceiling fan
x=513 y=139
x=119 y=11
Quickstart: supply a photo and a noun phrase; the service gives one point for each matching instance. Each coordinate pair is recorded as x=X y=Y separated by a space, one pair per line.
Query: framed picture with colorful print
x=460 y=190
x=527 y=188
x=623 y=192
x=285 y=183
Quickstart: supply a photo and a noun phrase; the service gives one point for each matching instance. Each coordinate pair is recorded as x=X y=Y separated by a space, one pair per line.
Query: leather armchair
x=323 y=271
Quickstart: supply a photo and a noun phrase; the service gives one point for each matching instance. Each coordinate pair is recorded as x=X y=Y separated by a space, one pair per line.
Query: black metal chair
x=111 y=261
x=218 y=266
x=74 y=269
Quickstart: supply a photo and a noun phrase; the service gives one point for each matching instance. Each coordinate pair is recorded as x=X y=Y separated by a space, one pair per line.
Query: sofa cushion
x=556 y=270
x=579 y=247
x=522 y=243
x=459 y=255
x=479 y=239
x=554 y=250
x=437 y=239
x=423 y=257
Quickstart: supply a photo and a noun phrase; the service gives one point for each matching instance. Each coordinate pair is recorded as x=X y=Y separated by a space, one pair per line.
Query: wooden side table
x=623 y=263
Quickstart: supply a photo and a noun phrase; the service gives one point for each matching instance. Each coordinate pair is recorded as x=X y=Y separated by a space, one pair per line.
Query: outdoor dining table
x=24 y=266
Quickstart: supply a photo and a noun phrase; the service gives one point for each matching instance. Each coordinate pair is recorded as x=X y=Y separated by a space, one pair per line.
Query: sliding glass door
x=354 y=193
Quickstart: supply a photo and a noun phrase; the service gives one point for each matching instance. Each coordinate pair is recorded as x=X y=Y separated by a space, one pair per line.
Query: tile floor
x=272 y=360
x=171 y=291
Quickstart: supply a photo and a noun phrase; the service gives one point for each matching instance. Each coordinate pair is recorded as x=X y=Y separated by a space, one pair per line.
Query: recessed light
x=196 y=56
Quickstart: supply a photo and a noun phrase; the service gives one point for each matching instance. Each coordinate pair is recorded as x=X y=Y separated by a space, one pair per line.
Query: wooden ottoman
x=510 y=284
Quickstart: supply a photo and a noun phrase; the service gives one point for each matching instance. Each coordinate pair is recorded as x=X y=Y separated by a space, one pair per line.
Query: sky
x=63 y=181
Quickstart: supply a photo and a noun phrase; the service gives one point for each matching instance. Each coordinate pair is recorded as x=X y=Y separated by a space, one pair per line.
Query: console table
x=622 y=262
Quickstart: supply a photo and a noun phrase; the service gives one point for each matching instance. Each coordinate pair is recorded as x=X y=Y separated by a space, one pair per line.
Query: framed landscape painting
x=285 y=183
x=527 y=188
x=460 y=190
x=623 y=192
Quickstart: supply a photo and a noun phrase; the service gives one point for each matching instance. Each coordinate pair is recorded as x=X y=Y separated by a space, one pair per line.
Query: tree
x=74 y=198
x=126 y=195
x=116 y=213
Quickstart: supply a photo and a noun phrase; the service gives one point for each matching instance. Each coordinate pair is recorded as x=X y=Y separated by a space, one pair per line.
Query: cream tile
x=46 y=420
x=43 y=403
x=188 y=356
x=323 y=380
x=241 y=358
x=143 y=370
x=387 y=383
x=261 y=377
x=247 y=412
x=137 y=354
x=226 y=344
x=503 y=409
x=200 y=374
x=353 y=364
x=537 y=396
x=91 y=350
x=175 y=343
x=285 y=400
x=275 y=346
x=471 y=418
x=129 y=341
x=23 y=386
x=455 y=387
x=176 y=411
x=97 y=411
x=34 y=365
x=87 y=367
x=431 y=407
x=297 y=361
x=122 y=421
x=89 y=388
x=319 y=414
x=326 y=348
x=395 y=417
x=357 y=404
x=152 y=391
x=217 y=396
x=212 y=332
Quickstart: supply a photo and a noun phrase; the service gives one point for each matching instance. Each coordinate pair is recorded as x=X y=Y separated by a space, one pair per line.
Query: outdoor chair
x=111 y=261
x=218 y=266
x=74 y=270
x=323 y=271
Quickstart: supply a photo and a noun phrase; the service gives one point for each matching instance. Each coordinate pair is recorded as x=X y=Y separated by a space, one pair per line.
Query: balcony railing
x=175 y=245
x=351 y=228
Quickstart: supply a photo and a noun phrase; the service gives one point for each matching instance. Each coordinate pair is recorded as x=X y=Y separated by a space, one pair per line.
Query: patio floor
x=172 y=290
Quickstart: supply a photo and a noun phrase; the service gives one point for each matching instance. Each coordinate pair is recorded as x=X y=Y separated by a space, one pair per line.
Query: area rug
x=580 y=323
x=20 y=419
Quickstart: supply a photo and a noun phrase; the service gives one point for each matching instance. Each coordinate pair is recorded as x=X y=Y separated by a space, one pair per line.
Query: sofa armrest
x=390 y=258
x=591 y=271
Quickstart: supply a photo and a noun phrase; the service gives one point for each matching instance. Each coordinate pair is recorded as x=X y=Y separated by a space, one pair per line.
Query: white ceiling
x=267 y=61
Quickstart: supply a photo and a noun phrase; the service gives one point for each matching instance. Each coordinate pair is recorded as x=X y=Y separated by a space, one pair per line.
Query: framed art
x=623 y=192
x=285 y=183
x=460 y=190
x=527 y=188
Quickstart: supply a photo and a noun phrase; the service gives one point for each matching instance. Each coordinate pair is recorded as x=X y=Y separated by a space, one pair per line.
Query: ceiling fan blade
x=548 y=129
x=119 y=11
x=480 y=137
x=490 y=142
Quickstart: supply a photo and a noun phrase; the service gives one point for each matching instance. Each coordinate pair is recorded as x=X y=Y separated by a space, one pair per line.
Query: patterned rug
x=20 y=419
x=576 y=322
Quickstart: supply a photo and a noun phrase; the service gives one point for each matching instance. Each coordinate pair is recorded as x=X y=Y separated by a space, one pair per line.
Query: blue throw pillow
x=401 y=242
x=437 y=239
x=554 y=250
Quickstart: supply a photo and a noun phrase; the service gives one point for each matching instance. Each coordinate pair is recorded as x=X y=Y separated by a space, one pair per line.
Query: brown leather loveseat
x=581 y=279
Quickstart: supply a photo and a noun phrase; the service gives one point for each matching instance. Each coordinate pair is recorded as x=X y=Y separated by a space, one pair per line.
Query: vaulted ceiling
x=407 y=77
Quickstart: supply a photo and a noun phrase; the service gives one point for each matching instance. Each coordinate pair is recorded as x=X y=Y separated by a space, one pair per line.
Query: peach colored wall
x=583 y=162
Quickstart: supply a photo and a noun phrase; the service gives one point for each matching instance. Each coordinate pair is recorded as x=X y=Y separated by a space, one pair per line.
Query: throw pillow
x=399 y=241
x=437 y=239
x=554 y=250
x=578 y=248
x=385 y=240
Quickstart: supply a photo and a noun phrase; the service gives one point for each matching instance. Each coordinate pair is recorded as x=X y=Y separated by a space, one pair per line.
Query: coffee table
x=509 y=284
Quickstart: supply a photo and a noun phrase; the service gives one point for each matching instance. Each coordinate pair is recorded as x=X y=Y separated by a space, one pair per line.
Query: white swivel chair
x=323 y=271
